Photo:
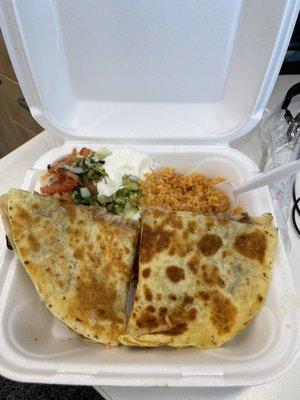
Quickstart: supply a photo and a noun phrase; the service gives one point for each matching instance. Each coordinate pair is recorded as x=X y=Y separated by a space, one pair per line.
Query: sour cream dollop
x=120 y=163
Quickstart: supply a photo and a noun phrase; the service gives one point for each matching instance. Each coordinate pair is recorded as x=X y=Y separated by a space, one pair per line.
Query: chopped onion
x=134 y=178
x=75 y=170
x=88 y=163
x=84 y=191
x=48 y=180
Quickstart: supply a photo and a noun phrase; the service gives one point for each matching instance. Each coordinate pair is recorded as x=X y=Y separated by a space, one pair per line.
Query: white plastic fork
x=261 y=179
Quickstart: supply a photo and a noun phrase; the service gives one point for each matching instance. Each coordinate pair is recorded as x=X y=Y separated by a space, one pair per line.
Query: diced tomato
x=85 y=152
x=72 y=175
x=64 y=183
x=68 y=160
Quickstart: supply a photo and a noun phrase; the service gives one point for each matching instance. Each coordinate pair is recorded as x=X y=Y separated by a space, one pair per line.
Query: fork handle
x=265 y=178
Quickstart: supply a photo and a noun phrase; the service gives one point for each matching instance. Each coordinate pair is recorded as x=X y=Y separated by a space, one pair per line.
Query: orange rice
x=175 y=191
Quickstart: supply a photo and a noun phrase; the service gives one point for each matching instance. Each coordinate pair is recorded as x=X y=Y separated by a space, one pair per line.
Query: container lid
x=148 y=71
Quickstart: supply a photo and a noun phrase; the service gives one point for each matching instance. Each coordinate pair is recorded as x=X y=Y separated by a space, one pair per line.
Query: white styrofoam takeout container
x=177 y=80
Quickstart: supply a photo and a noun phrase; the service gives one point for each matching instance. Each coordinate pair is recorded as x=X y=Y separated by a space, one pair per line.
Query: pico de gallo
x=108 y=179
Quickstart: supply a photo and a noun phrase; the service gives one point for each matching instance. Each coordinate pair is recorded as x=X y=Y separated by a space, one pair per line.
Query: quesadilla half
x=202 y=278
x=78 y=257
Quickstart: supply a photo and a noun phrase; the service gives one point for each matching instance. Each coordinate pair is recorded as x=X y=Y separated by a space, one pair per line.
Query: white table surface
x=12 y=168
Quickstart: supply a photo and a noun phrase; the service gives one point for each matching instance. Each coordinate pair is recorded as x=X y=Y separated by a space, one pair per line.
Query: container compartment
x=36 y=347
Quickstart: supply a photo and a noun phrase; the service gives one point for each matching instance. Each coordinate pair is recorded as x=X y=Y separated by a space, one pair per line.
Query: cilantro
x=87 y=201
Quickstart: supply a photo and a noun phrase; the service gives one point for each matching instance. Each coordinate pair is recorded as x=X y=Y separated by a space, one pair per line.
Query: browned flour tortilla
x=202 y=279
x=78 y=258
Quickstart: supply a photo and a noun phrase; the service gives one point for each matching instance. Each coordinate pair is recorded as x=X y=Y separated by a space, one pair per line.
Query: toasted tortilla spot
x=175 y=274
x=153 y=241
x=180 y=313
x=175 y=221
x=193 y=263
x=204 y=296
x=127 y=250
x=252 y=245
x=17 y=234
x=178 y=223
x=32 y=268
x=147 y=321
x=156 y=213
x=223 y=312
x=22 y=214
x=150 y=308
x=185 y=234
x=79 y=254
x=163 y=311
x=187 y=300
x=191 y=314
x=211 y=276
x=146 y=272
x=245 y=218
x=61 y=283
x=147 y=293
x=159 y=296
x=179 y=247
x=34 y=244
x=176 y=330
x=90 y=293
x=260 y=298
x=191 y=226
x=224 y=221
x=171 y=251
x=210 y=244
x=77 y=232
x=172 y=296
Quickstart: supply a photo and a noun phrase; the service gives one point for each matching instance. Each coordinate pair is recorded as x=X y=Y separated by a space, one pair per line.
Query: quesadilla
x=202 y=278
x=79 y=259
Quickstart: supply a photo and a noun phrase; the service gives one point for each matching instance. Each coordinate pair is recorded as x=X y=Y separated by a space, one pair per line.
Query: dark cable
x=295 y=209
